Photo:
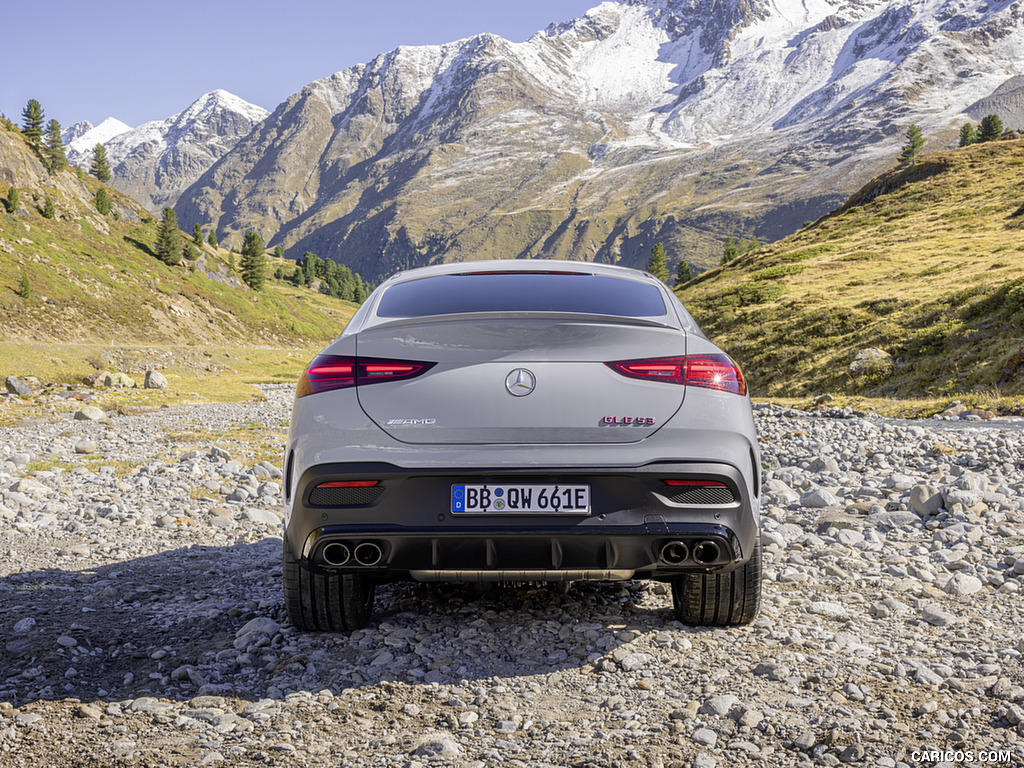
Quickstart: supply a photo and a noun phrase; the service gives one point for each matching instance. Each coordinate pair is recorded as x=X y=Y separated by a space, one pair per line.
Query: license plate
x=521 y=499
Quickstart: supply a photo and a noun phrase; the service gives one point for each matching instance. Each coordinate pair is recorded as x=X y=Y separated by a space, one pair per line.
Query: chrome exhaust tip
x=674 y=553
x=368 y=553
x=706 y=552
x=335 y=553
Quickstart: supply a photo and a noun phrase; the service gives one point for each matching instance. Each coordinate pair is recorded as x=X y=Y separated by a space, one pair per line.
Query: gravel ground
x=142 y=622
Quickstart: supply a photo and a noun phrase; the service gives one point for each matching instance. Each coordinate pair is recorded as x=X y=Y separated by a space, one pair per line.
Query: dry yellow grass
x=926 y=263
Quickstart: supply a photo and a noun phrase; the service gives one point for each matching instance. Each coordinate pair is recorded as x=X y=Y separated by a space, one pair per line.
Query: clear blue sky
x=147 y=61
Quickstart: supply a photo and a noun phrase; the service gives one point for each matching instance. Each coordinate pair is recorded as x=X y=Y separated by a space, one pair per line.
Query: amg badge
x=409 y=422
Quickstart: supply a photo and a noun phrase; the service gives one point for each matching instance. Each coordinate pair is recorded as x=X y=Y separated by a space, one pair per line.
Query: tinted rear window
x=522 y=292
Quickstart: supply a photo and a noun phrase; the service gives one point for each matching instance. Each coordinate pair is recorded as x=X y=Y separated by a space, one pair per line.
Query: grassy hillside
x=925 y=263
x=97 y=290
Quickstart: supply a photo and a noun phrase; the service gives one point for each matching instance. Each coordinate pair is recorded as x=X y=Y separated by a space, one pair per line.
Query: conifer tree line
x=657 y=265
x=13 y=200
x=990 y=129
x=100 y=168
x=168 y=238
x=733 y=249
x=253 y=264
x=913 y=147
x=336 y=279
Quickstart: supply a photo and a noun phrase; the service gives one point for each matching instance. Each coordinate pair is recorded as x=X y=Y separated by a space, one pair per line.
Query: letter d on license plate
x=521 y=499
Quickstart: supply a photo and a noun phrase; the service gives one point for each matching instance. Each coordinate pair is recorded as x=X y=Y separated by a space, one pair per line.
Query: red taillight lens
x=668 y=369
x=715 y=372
x=349 y=484
x=708 y=371
x=330 y=372
x=326 y=373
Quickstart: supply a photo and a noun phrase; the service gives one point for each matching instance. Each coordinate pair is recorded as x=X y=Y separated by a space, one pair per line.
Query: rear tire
x=720 y=599
x=325 y=603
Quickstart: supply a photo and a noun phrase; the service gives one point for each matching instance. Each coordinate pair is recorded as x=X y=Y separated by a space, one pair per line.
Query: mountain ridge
x=595 y=138
x=154 y=162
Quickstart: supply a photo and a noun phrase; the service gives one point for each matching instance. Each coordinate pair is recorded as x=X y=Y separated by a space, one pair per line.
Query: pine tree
x=168 y=238
x=32 y=126
x=197 y=234
x=189 y=251
x=754 y=243
x=967 y=135
x=253 y=263
x=684 y=273
x=100 y=168
x=991 y=128
x=49 y=211
x=913 y=147
x=13 y=200
x=53 y=153
x=212 y=239
x=657 y=265
x=103 y=202
x=729 y=250
x=24 y=289
x=279 y=252
x=279 y=273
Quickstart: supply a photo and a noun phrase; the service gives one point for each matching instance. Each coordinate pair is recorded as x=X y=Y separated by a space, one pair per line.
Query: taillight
x=667 y=369
x=716 y=371
x=330 y=372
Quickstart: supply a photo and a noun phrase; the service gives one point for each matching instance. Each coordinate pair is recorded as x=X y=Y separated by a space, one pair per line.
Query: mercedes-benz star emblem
x=520 y=382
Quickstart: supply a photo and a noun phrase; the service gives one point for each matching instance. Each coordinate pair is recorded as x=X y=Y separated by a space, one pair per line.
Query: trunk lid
x=479 y=390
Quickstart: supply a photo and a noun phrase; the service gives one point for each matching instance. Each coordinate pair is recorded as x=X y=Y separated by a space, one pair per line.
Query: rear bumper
x=636 y=527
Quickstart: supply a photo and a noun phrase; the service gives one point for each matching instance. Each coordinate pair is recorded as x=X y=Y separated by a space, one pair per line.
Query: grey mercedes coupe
x=521 y=421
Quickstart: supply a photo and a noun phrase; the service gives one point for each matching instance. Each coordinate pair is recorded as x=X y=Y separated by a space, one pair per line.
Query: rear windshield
x=522 y=292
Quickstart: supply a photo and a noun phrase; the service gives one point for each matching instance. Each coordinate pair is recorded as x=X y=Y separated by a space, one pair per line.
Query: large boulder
x=871 y=362
x=90 y=413
x=17 y=387
x=120 y=380
x=155 y=380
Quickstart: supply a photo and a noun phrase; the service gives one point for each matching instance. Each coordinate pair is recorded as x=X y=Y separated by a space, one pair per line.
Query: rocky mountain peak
x=678 y=120
x=157 y=160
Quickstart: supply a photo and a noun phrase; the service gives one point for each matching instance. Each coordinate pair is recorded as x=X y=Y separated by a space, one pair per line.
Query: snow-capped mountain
x=643 y=120
x=81 y=139
x=156 y=161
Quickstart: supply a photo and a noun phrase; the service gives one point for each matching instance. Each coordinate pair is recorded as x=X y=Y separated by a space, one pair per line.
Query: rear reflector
x=716 y=371
x=330 y=372
x=696 y=483
x=349 y=484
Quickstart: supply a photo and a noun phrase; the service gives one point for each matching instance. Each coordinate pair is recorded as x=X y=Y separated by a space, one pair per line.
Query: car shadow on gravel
x=210 y=620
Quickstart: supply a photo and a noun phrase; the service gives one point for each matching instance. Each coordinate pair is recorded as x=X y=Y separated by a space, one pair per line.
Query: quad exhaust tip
x=675 y=553
x=706 y=552
x=368 y=554
x=335 y=553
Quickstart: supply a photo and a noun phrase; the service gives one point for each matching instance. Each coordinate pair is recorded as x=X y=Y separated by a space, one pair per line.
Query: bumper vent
x=699 y=494
x=344 y=497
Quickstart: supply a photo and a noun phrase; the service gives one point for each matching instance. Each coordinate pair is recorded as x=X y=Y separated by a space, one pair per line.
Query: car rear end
x=547 y=423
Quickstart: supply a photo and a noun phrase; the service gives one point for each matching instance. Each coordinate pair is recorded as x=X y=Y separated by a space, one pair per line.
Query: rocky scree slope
x=638 y=122
x=142 y=616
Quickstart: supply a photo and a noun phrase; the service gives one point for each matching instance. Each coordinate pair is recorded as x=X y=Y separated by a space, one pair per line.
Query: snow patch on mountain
x=79 y=149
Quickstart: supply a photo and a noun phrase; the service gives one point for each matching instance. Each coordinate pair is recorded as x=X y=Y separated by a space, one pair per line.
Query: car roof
x=519 y=265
